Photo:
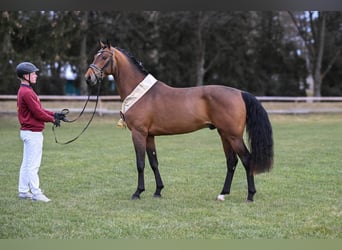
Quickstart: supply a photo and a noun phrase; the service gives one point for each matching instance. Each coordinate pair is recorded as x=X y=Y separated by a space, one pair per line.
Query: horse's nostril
x=88 y=80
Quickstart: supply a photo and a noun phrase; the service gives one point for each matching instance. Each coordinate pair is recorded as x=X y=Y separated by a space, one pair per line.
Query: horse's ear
x=101 y=44
x=108 y=44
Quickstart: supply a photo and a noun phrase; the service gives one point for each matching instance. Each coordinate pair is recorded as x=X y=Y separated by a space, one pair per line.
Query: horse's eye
x=104 y=57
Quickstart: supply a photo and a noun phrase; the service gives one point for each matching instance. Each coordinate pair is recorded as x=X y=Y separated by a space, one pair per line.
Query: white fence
x=273 y=104
x=101 y=109
x=299 y=99
x=63 y=98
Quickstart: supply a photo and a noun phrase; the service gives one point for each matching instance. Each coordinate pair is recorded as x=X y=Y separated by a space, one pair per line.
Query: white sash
x=138 y=92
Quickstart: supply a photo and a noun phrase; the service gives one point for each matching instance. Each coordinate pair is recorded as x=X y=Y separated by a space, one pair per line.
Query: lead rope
x=66 y=111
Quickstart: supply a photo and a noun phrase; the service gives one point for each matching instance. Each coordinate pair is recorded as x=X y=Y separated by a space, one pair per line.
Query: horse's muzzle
x=91 y=81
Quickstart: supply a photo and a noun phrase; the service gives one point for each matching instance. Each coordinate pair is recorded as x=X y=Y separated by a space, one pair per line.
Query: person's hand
x=57 y=122
x=59 y=116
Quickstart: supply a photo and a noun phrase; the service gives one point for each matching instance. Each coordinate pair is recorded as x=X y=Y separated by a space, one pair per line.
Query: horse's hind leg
x=241 y=149
x=232 y=161
x=152 y=157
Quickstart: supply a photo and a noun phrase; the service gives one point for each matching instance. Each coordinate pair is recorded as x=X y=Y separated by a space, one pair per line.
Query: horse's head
x=102 y=64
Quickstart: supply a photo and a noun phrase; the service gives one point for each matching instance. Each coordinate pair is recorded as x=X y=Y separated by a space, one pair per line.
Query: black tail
x=259 y=131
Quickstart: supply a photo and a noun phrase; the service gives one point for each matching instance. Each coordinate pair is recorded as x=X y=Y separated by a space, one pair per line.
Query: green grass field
x=91 y=180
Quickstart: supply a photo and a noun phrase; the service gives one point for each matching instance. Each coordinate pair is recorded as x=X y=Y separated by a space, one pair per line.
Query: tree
x=311 y=27
x=201 y=47
x=8 y=55
x=217 y=35
x=332 y=76
x=279 y=69
x=246 y=50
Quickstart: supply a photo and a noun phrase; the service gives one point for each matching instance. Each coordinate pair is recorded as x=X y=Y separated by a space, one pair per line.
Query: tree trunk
x=200 y=70
x=318 y=64
x=315 y=49
x=83 y=54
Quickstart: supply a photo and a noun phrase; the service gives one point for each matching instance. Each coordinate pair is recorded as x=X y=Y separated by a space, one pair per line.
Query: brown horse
x=152 y=108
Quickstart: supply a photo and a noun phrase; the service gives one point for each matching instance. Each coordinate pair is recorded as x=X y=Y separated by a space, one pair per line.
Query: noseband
x=99 y=71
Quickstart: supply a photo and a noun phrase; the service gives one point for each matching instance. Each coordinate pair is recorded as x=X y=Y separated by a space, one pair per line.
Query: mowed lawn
x=90 y=182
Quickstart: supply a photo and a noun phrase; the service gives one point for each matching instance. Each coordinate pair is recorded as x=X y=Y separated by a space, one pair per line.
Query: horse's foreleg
x=232 y=161
x=139 y=142
x=152 y=157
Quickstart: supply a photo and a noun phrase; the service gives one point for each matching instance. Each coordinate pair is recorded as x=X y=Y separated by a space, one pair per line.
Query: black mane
x=137 y=63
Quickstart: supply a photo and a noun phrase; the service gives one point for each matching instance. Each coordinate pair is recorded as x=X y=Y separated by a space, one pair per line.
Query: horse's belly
x=177 y=126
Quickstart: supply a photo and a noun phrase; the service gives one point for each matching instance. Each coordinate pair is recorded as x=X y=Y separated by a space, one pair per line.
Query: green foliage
x=91 y=180
x=246 y=50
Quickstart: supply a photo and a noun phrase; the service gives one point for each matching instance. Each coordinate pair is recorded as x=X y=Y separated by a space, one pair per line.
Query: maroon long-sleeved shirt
x=31 y=115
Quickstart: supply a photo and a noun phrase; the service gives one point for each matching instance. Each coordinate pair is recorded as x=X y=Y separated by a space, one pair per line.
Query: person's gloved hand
x=57 y=122
x=59 y=116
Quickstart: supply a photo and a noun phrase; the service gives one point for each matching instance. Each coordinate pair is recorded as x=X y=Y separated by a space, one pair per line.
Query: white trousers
x=32 y=156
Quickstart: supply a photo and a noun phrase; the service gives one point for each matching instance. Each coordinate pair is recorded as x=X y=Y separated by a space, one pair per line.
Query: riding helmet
x=25 y=68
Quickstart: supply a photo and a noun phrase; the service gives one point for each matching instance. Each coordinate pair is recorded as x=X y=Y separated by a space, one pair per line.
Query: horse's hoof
x=220 y=197
x=135 y=197
x=249 y=201
x=157 y=196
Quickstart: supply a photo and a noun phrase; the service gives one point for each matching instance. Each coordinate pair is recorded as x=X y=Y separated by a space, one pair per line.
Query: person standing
x=32 y=118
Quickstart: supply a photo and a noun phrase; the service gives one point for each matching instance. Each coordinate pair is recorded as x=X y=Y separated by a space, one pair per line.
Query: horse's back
x=194 y=95
x=202 y=100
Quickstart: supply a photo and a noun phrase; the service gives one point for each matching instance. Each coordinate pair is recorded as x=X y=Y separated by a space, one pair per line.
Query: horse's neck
x=127 y=82
x=127 y=77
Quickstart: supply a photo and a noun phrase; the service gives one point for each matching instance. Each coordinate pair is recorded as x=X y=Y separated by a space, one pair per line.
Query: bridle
x=99 y=79
x=99 y=71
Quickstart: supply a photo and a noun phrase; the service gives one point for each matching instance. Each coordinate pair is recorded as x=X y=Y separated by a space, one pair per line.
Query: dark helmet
x=25 y=68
